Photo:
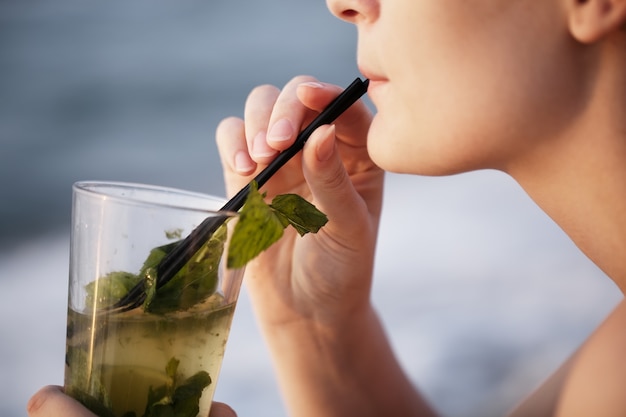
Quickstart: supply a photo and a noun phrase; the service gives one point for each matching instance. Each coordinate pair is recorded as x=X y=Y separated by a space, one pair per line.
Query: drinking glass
x=163 y=357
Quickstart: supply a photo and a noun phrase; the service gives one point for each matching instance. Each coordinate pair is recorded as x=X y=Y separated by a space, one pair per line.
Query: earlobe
x=592 y=20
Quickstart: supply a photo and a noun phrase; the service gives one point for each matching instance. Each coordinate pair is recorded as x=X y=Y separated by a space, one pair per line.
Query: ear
x=591 y=20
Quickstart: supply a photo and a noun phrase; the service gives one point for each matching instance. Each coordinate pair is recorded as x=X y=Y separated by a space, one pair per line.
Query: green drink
x=132 y=351
x=161 y=358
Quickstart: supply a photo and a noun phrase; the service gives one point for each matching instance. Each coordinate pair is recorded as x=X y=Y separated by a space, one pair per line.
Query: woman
x=534 y=88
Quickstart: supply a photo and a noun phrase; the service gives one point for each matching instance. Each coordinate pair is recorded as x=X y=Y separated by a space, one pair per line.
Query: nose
x=355 y=11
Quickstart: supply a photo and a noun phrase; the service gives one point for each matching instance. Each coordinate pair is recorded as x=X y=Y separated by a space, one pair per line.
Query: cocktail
x=161 y=357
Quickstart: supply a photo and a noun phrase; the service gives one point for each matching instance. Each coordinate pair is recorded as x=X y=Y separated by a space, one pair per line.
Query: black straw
x=184 y=251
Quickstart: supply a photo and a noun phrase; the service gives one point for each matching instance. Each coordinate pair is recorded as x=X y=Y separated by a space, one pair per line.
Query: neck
x=579 y=178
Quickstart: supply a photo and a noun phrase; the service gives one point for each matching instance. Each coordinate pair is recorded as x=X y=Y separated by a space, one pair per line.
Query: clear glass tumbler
x=163 y=357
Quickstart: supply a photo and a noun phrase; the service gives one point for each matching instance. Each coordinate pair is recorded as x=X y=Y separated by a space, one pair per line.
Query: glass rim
x=98 y=188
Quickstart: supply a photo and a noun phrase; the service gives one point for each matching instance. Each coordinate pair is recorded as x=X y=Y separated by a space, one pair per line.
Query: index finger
x=289 y=114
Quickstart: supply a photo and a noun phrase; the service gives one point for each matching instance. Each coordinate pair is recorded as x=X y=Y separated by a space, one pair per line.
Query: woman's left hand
x=51 y=401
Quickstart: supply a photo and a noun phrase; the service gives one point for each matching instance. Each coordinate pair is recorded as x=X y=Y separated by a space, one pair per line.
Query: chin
x=420 y=152
x=387 y=147
x=391 y=157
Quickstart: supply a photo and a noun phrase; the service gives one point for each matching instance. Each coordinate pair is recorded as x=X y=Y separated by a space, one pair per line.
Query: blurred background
x=482 y=295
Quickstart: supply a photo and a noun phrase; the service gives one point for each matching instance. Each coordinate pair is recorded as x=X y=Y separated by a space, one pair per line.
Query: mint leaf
x=187 y=395
x=301 y=214
x=257 y=228
x=171 y=368
x=155 y=256
x=261 y=224
x=194 y=283
x=108 y=290
x=159 y=401
x=177 y=400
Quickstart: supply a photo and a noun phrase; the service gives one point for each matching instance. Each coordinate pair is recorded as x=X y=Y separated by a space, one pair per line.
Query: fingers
x=272 y=120
x=221 y=410
x=288 y=115
x=278 y=116
x=237 y=163
x=257 y=113
x=352 y=125
x=51 y=401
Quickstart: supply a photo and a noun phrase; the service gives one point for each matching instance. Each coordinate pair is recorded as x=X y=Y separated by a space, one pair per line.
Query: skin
x=534 y=88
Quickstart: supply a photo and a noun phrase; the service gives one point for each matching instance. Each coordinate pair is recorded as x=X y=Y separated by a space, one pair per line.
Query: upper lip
x=371 y=75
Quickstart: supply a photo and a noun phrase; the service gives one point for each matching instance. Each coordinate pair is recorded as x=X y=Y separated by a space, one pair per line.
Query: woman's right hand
x=323 y=277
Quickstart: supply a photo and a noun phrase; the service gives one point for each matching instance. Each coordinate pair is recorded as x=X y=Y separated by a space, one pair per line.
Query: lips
x=376 y=89
x=377 y=82
x=371 y=75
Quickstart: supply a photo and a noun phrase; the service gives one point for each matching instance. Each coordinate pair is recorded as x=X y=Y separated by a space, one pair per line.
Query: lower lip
x=375 y=89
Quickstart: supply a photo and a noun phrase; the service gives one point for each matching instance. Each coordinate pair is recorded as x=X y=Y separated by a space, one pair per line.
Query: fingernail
x=260 y=148
x=281 y=131
x=243 y=163
x=326 y=147
x=312 y=84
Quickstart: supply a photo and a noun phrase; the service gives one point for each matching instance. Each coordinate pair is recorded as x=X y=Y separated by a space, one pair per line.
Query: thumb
x=221 y=410
x=51 y=401
x=330 y=184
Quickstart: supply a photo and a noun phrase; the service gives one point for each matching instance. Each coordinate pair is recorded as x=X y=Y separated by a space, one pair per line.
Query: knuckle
x=335 y=180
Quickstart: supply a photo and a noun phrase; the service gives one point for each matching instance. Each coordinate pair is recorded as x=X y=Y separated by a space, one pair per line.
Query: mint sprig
x=194 y=283
x=177 y=399
x=260 y=224
x=300 y=214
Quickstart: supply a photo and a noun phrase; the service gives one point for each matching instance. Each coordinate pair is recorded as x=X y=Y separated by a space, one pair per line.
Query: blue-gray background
x=482 y=294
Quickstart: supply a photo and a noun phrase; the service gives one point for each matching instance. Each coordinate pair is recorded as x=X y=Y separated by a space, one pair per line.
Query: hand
x=326 y=276
x=50 y=401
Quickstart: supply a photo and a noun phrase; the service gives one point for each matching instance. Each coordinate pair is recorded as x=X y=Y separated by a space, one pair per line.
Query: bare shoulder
x=595 y=383
x=591 y=382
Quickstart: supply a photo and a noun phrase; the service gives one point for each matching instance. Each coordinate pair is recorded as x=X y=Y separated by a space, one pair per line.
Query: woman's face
x=463 y=84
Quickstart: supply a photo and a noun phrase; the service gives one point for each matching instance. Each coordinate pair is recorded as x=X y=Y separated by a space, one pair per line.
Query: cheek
x=476 y=113
x=427 y=114
x=468 y=93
